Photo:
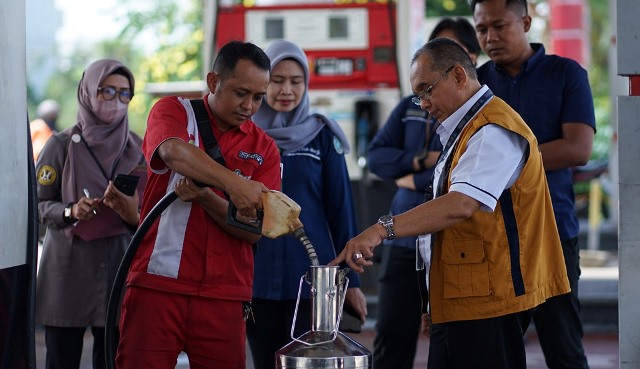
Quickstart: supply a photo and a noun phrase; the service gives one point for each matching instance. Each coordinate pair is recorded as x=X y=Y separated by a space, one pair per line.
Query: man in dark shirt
x=553 y=96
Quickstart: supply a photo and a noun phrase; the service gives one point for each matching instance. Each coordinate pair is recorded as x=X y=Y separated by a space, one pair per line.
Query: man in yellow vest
x=487 y=228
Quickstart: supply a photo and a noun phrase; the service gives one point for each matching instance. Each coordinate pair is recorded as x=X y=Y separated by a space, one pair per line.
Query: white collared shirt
x=491 y=163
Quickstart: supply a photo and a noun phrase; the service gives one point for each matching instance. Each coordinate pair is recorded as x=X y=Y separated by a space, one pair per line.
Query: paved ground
x=601 y=348
x=598 y=291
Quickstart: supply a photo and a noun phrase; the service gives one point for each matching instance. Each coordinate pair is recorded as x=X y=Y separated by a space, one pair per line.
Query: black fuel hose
x=121 y=276
x=123 y=269
x=301 y=236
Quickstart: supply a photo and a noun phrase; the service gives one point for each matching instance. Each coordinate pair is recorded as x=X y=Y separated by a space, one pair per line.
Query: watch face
x=386 y=218
x=387 y=222
x=67 y=212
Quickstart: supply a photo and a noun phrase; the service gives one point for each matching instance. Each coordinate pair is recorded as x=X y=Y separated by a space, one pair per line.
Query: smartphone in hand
x=126 y=183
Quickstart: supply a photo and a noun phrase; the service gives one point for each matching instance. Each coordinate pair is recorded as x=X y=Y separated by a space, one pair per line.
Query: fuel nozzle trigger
x=232 y=219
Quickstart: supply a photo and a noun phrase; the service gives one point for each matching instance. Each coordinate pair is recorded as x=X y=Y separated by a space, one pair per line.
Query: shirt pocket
x=465 y=268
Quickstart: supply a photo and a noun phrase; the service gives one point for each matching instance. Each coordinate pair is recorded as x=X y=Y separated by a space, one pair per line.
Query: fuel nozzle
x=281 y=217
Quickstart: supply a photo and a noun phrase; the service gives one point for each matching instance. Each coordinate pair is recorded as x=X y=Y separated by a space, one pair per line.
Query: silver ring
x=357 y=256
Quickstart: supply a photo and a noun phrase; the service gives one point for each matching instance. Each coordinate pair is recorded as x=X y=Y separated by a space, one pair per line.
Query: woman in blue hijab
x=314 y=175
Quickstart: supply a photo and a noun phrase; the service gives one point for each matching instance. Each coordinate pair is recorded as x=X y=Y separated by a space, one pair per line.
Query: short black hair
x=230 y=53
x=515 y=5
x=462 y=29
x=444 y=53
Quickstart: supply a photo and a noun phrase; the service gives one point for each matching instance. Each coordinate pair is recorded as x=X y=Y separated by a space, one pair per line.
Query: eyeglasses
x=426 y=93
x=109 y=93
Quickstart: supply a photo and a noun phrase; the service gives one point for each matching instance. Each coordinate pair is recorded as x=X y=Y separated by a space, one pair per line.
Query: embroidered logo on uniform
x=338 y=145
x=192 y=138
x=306 y=151
x=46 y=175
x=255 y=156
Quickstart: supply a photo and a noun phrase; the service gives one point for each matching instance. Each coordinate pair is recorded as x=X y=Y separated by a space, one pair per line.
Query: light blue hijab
x=294 y=129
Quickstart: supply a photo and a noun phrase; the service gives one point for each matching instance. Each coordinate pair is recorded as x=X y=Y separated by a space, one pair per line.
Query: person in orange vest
x=44 y=126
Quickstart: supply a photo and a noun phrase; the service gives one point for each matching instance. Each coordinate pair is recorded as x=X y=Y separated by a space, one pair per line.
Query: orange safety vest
x=40 y=133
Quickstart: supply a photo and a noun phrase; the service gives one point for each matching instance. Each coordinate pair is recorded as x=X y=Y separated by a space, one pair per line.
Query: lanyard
x=429 y=193
x=444 y=174
x=104 y=173
x=456 y=132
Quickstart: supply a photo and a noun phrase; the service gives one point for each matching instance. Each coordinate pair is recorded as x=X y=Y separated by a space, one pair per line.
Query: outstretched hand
x=359 y=249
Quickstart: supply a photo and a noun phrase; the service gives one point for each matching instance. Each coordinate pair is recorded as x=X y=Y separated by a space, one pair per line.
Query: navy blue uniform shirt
x=391 y=155
x=314 y=176
x=548 y=92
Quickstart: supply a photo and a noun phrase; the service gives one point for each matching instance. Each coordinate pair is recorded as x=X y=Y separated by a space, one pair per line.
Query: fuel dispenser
x=353 y=56
x=351 y=48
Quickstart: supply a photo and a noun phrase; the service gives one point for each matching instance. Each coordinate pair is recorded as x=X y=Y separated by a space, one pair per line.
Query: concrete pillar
x=13 y=123
x=628 y=33
x=618 y=85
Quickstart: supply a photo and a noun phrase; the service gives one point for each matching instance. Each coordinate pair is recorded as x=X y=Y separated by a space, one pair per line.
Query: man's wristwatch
x=67 y=216
x=387 y=222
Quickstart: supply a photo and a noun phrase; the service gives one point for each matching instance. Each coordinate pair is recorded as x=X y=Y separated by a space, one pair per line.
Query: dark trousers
x=398 y=315
x=557 y=320
x=270 y=328
x=494 y=343
x=64 y=347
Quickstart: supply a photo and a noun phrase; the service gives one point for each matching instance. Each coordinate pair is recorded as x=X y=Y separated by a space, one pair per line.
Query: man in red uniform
x=192 y=272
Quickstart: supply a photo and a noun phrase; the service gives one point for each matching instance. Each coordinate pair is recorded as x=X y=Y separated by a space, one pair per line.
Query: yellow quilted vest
x=510 y=260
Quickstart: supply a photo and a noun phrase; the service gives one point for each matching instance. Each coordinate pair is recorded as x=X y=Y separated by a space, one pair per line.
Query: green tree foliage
x=175 y=31
x=600 y=39
x=160 y=41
